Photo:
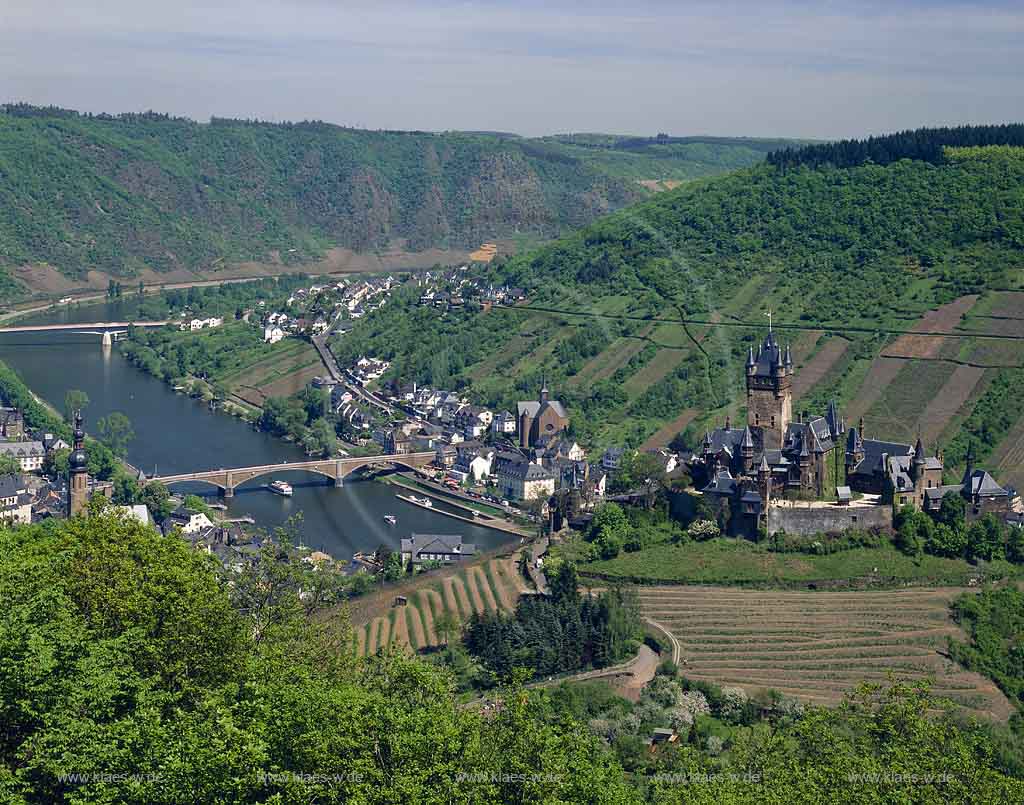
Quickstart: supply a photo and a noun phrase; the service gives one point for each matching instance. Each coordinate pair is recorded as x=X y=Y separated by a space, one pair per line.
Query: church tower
x=78 y=472
x=769 y=391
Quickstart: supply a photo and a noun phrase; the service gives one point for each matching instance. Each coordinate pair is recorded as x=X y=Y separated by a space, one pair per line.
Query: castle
x=774 y=456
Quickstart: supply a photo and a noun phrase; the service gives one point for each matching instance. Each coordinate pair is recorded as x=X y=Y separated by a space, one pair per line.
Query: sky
x=826 y=69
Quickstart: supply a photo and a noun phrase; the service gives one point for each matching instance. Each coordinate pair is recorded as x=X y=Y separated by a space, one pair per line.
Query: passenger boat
x=390 y=519
x=280 y=488
x=422 y=501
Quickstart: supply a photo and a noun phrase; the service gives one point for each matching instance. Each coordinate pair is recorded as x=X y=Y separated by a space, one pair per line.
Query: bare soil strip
x=943 y=320
x=372 y=631
x=666 y=433
x=361 y=641
x=399 y=627
x=484 y=585
x=429 y=635
x=882 y=372
x=818 y=366
x=450 y=601
x=506 y=594
x=417 y=634
x=660 y=365
x=464 y=608
x=947 y=402
x=384 y=635
x=474 y=592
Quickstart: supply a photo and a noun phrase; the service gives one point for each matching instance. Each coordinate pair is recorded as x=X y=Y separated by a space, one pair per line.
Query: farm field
x=818 y=366
x=1008 y=458
x=816 y=646
x=492 y=586
x=731 y=561
x=953 y=396
x=898 y=412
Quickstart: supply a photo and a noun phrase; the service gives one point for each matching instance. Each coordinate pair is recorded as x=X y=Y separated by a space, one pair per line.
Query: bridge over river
x=107 y=329
x=226 y=480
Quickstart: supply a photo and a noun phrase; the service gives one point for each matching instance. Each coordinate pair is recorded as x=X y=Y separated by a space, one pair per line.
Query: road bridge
x=227 y=480
x=108 y=330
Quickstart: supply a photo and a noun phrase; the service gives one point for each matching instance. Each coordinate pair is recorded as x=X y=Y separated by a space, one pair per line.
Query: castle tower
x=78 y=472
x=747 y=450
x=917 y=465
x=764 y=483
x=854 y=450
x=769 y=392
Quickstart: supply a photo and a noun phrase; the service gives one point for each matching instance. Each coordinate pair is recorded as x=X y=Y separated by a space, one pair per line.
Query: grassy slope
x=120 y=194
x=727 y=561
x=868 y=247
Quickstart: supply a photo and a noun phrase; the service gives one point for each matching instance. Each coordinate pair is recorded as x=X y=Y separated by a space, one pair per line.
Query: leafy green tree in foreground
x=129 y=676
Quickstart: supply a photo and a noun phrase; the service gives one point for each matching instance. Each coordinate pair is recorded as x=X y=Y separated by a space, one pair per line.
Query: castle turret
x=854 y=449
x=78 y=471
x=747 y=450
x=917 y=466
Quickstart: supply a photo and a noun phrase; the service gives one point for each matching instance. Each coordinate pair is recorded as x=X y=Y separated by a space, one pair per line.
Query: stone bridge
x=226 y=480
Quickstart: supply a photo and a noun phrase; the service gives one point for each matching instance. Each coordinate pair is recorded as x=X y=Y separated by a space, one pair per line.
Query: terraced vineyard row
x=816 y=646
x=494 y=586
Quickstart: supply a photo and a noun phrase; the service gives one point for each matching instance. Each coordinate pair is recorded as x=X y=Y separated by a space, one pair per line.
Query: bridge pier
x=107 y=340
x=226 y=491
x=339 y=475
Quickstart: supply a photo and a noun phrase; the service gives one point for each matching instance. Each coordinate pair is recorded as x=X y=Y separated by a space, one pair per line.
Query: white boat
x=390 y=518
x=280 y=488
x=422 y=501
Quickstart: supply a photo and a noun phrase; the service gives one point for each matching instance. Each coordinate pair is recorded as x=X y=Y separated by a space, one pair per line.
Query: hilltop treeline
x=927 y=145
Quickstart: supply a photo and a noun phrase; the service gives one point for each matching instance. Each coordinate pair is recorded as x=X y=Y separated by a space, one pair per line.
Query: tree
x=74 y=400
x=9 y=465
x=126 y=490
x=393 y=567
x=952 y=511
x=609 y=530
x=324 y=437
x=115 y=430
x=55 y=465
x=986 y=539
x=157 y=499
x=445 y=625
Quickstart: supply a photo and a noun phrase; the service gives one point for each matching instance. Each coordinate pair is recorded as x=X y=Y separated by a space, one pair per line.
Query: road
x=339 y=376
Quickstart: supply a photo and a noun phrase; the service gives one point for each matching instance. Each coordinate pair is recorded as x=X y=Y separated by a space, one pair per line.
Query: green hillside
x=845 y=257
x=120 y=194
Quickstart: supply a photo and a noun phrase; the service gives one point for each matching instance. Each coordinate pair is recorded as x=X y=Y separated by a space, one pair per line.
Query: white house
x=504 y=423
x=272 y=334
x=29 y=454
x=188 y=520
x=15 y=500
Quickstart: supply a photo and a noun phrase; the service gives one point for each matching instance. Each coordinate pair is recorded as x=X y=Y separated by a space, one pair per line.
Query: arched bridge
x=226 y=480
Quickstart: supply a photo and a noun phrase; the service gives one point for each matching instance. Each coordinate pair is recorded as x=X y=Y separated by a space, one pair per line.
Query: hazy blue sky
x=825 y=69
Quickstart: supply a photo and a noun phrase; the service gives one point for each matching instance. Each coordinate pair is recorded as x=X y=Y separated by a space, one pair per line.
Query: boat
x=390 y=518
x=280 y=488
x=422 y=501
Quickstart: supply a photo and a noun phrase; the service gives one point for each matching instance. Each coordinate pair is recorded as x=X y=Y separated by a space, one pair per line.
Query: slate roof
x=769 y=354
x=451 y=544
x=721 y=484
x=873 y=451
x=980 y=484
x=532 y=408
x=11 y=485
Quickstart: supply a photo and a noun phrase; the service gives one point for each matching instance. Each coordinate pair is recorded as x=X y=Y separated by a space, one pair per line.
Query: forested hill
x=122 y=193
x=842 y=252
x=837 y=244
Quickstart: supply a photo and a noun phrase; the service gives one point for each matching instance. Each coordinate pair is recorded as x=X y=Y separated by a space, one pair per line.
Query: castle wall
x=827 y=519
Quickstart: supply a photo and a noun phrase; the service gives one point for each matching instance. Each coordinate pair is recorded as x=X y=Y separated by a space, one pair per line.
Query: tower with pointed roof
x=769 y=391
x=78 y=471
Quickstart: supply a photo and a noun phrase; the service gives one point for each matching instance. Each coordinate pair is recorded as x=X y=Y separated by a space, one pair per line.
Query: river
x=174 y=434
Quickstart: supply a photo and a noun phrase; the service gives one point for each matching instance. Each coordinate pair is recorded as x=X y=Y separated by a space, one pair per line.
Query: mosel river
x=175 y=434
